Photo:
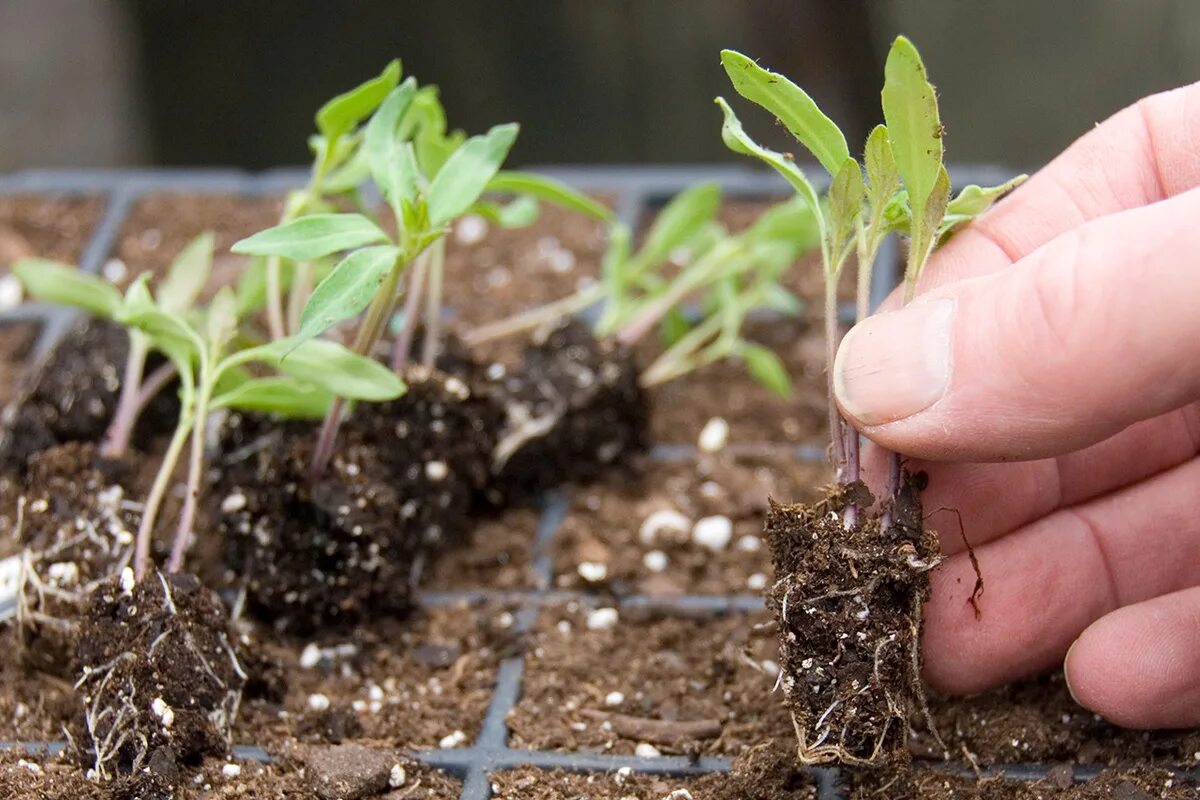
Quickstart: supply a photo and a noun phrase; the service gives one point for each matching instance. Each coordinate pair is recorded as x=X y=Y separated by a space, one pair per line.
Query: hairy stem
x=116 y=439
x=433 y=305
x=402 y=347
x=837 y=425
x=536 y=317
x=145 y=533
x=187 y=517
x=368 y=335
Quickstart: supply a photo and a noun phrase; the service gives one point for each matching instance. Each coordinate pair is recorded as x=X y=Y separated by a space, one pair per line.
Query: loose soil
x=686 y=685
x=17 y=341
x=495 y=554
x=400 y=683
x=1140 y=784
x=755 y=414
x=52 y=227
x=161 y=225
x=605 y=524
x=849 y=604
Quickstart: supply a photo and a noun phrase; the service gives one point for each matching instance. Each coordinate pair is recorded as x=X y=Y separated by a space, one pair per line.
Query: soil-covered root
x=849 y=605
x=354 y=543
x=160 y=680
x=71 y=395
x=574 y=410
x=76 y=529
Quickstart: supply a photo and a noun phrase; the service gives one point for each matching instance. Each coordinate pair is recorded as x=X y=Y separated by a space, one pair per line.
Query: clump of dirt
x=72 y=394
x=574 y=410
x=354 y=542
x=161 y=681
x=1059 y=784
x=768 y=772
x=76 y=533
x=849 y=603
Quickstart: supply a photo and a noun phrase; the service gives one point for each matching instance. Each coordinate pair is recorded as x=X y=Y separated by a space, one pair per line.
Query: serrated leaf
x=347 y=290
x=468 y=171
x=914 y=129
x=737 y=140
x=285 y=396
x=766 y=368
x=313 y=236
x=345 y=111
x=62 y=284
x=681 y=219
x=390 y=155
x=550 y=190
x=188 y=275
x=327 y=365
x=882 y=178
x=791 y=105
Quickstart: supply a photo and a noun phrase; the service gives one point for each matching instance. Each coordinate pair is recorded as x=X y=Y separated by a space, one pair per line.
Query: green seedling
x=905 y=189
x=211 y=360
x=688 y=255
x=428 y=178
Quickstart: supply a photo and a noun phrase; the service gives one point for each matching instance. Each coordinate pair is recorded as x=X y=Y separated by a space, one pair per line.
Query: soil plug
x=851 y=576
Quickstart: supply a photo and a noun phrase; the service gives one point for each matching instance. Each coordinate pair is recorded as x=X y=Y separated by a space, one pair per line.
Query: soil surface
x=849 y=602
x=161 y=225
x=495 y=553
x=643 y=534
x=1141 y=784
x=409 y=684
x=16 y=345
x=683 y=407
x=45 y=227
x=685 y=686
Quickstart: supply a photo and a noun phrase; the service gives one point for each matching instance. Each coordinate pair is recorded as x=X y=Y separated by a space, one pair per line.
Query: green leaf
x=167 y=332
x=846 y=195
x=550 y=190
x=935 y=209
x=188 y=275
x=390 y=155
x=911 y=112
x=777 y=298
x=343 y=112
x=791 y=105
x=792 y=223
x=312 y=237
x=284 y=396
x=62 y=284
x=347 y=290
x=882 y=178
x=674 y=326
x=350 y=175
x=766 y=368
x=681 y=219
x=467 y=173
x=519 y=213
x=327 y=365
x=737 y=140
x=222 y=319
x=974 y=200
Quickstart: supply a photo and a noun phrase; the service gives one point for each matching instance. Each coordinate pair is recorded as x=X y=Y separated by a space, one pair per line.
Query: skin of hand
x=1046 y=377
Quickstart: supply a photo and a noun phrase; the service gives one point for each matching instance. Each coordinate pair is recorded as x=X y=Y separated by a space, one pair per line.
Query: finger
x=1046 y=583
x=1085 y=336
x=992 y=500
x=1139 y=667
x=1140 y=155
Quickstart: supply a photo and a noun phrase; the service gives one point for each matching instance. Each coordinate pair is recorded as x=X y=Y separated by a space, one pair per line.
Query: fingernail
x=895 y=364
x=1067 y=672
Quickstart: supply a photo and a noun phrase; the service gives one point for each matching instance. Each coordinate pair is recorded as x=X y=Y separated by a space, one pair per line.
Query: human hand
x=1061 y=332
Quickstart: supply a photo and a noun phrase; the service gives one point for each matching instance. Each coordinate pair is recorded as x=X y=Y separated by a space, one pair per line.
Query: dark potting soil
x=16 y=346
x=924 y=784
x=161 y=679
x=72 y=394
x=494 y=554
x=161 y=225
x=698 y=685
x=768 y=772
x=354 y=543
x=574 y=410
x=849 y=605
x=683 y=407
x=45 y=227
x=423 y=682
x=642 y=532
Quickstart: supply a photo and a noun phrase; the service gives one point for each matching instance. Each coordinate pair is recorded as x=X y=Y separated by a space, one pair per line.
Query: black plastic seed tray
x=637 y=190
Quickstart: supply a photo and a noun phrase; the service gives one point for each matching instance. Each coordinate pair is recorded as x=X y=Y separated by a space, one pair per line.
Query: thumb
x=1093 y=331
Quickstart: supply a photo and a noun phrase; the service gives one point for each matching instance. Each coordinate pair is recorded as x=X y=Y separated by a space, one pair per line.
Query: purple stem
x=402 y=347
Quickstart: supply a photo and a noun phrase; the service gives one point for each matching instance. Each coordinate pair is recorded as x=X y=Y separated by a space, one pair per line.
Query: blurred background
x=222 y=82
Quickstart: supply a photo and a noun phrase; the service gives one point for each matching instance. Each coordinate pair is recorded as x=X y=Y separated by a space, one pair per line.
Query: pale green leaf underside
x=285 y=396
x=329 y=366
x=313 y=236
x=550 y=190
x=468 y=171
x=188 y=275
x=347 y=290
x=63 y=284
